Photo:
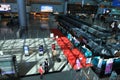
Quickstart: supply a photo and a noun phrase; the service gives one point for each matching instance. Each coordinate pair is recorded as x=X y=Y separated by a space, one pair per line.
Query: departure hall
x=59 y=39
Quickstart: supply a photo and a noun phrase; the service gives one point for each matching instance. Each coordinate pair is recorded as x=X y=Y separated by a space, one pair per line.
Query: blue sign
x=116 y=3
x=41 y=48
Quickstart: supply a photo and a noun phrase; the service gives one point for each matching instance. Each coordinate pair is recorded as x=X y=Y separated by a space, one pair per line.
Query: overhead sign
x=116 y=3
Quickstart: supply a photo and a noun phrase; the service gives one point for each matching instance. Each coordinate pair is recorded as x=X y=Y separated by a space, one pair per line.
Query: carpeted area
x=69 y=51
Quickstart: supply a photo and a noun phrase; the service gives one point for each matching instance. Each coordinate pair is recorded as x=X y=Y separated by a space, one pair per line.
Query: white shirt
x=112 y=25
x=118 y=26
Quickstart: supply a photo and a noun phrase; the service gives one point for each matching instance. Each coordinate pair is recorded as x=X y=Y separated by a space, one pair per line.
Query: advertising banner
x=108 y=68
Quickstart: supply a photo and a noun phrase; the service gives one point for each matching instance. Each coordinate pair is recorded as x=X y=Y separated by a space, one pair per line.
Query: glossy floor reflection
x=38 y=34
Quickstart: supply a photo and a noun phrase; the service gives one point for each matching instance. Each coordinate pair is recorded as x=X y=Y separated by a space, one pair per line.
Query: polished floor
x=38 y=34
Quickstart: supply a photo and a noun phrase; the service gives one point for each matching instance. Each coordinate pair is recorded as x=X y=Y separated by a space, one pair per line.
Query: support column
x=22 y=14
x=65 y=7
x=83 y=3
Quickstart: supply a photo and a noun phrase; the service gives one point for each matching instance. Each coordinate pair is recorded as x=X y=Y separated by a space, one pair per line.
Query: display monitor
x=5 y=7
x=46 y=8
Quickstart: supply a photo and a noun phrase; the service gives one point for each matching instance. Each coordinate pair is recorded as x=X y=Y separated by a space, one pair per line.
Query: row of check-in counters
x=95 y=40
x=97 y=37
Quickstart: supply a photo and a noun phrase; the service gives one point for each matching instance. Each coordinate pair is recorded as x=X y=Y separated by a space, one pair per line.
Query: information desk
x=42 y=15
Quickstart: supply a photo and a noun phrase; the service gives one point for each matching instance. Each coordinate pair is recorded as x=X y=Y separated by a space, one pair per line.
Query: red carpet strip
x=71 y=54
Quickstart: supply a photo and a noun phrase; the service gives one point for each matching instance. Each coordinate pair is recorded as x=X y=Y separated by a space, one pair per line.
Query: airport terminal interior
x=68 y=39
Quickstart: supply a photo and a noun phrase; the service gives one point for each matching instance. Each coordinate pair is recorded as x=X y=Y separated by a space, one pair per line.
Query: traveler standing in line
x=78 y=62
x=54 y=53
x=119 y=26
x=46 y=65
x=53 y=47
x=0 y=72
x=41 y=71
x=93 y=17
x=114 y=25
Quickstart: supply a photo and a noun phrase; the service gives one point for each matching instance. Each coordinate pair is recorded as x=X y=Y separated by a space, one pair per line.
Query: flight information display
x=5 y=7
x=45 y=8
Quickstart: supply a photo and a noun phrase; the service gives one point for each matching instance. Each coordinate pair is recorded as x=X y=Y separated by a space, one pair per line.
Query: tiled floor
x=38 y=34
